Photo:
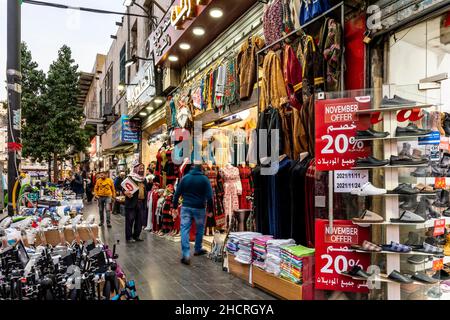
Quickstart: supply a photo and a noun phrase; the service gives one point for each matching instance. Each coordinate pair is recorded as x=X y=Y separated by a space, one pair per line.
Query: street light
x=135 y=59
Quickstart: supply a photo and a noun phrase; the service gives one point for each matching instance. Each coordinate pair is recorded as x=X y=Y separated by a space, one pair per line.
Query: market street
x=155 y=266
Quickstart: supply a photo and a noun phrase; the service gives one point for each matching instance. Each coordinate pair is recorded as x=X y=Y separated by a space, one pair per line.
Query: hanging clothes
x=310 y=214
x=220 y=87
x=273 y=21
x=269 y=120
x=216 y=184
x=330 y=44
x=240 y=146
x=273 y=89
x=170 y=170
x=232 y=188
x=246 y=66
x=245 y=174
x=298 y=189
x=231 y=96
x=167 y=218
x=292 y=76
x=295 y=6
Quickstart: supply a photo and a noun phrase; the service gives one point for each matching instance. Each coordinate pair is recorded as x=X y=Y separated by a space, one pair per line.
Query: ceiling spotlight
x=142 y=114
x=158 y=101
x=173 y=58
x=198 y=31
x=216 y=13
x=150 y=109
x=185 y=46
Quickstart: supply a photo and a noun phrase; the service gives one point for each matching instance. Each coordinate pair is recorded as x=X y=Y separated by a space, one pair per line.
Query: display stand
x=240 y=270
x=393 y=178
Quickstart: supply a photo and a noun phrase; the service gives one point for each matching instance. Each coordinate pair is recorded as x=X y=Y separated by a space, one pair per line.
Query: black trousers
x=133 y=221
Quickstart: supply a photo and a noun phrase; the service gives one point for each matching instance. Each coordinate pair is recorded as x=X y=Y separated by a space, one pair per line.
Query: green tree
x=64 y=126
x=34 y=115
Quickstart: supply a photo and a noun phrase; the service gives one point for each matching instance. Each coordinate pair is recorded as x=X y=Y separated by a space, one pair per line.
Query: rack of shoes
x=410 y=199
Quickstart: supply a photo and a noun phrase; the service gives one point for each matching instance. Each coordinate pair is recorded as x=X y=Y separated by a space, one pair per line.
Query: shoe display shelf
x=421 y=225
x=392 y=174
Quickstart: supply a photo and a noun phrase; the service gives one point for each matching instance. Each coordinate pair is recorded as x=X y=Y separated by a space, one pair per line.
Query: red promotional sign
x=334 y=255
x=439 y=227
x=336 y=126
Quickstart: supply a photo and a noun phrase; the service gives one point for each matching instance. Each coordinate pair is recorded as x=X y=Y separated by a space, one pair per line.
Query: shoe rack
x=392 y=177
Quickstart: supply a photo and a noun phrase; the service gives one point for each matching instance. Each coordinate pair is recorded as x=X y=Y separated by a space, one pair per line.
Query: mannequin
x=232 y=190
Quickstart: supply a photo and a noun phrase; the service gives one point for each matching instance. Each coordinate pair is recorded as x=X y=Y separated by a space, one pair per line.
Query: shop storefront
x=314 y=209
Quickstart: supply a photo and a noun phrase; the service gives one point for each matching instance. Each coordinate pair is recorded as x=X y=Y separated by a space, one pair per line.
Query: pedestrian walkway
x=155 y=266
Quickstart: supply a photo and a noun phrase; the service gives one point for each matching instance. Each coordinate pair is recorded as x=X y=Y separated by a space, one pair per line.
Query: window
x=122 y=60
x=100 y=100
x=109 y=89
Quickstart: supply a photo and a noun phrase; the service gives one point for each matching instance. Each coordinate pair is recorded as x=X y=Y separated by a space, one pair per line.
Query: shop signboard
x=336 y=125
x=334 y=255
x=144 y=90
x=347 y=180
x=130 y=130
x=125 y=130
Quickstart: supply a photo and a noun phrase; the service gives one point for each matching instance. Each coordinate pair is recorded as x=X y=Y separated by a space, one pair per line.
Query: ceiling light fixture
x=216 y=13
x=198 y=31
x=158 y=101
x=185 y=46
x=173 y=58
x=142 y=114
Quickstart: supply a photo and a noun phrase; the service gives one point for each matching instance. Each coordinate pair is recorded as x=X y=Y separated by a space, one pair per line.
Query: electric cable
x=92 y=10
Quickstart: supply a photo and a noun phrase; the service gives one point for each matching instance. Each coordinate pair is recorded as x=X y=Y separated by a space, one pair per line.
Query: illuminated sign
x=185 y=10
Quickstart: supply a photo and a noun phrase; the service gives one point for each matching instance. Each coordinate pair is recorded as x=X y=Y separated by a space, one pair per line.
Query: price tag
x=438 y=264
x=434 y=152
x=347 y=180
x=439 y=227
x=439 y=183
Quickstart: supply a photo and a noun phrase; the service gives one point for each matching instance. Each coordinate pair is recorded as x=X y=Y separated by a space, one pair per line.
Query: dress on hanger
x=217 y=188
x=232 y=188
x=167 y=219
x=245 y=173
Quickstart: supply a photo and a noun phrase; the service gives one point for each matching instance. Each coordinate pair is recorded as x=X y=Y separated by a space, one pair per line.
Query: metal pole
x=14 y=78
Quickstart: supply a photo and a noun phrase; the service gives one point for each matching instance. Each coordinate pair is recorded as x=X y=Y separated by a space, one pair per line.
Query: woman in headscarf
x=135 y=203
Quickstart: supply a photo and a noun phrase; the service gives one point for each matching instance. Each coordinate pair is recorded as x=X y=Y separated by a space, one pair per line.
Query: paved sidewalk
x=155 y=266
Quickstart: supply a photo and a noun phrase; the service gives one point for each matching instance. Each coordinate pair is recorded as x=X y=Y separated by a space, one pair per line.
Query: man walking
x=77 y=185
x=196 y=191
x=135 y=204
x=104 y=192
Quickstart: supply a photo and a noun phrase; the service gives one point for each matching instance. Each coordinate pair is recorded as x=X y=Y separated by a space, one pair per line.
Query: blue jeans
x=187 y=214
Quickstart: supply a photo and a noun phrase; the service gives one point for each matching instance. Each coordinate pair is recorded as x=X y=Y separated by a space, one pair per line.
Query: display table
x=276 y=286
x=238 y=269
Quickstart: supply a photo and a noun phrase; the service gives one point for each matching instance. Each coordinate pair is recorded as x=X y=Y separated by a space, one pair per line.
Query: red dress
x=245 y=173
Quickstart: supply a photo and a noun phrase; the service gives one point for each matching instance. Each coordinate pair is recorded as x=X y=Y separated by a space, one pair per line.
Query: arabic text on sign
x=185 y=10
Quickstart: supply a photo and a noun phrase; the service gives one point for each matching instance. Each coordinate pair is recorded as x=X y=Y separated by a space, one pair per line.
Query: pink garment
x=230 y=176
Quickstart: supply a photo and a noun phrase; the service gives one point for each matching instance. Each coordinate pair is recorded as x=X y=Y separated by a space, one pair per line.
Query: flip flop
x=368 y=217
x=408 y=217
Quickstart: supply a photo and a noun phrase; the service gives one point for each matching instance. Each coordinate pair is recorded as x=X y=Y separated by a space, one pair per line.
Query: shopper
x=118 y=185
x=89 y=187
x=135 y=204
x=196 y=191
x=104 y=192
x=77 y=185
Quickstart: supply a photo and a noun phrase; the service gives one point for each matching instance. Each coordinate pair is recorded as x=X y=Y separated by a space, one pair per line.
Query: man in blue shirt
x=196 y=191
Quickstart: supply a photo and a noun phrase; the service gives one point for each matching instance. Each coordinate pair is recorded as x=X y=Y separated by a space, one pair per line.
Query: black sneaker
x=370 y=133
x=100 y=224
x=138 y=240
x=185 y=261
x=109 y=225
x=411 y=130
x=201 y=252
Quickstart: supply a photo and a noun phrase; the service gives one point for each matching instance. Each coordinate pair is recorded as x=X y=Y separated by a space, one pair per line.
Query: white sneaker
x=368 y=189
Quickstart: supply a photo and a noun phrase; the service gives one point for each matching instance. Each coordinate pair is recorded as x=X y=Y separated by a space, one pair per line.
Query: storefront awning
x=124 y=148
